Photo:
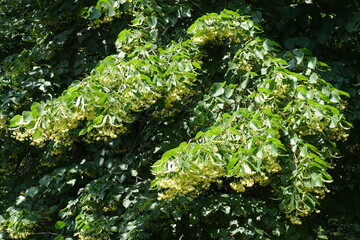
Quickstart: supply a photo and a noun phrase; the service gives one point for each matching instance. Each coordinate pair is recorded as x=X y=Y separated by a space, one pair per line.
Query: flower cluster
x=191 y=182
x=104 y=133
x=214 y=36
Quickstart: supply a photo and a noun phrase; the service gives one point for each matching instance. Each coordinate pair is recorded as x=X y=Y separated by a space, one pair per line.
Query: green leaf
x=226 y=209
x=2 y=219
x=299 y=55
x=197 y=65
x=217 y=89
x=298 y=76
x=317 y=180
x=232 y=65
x=60 y=225
x=246 y=24
x=256 y=16
x=145 y=77
x=334 y=121
x=45 y=181
x=31 y=192
x=303 y=151
x=27 y=116
x=267 y=45
x=94 y=13
x=98 y=120
x=260 y=154
x=313 y=78
x=273 y=150
x=20 y=199
x=71 y=182
x=265 y=90
x=111 y=11
x=327 y=177
x=335 y=96
x=246 y=169
x=319 y=112
x=169 y=154
x=280 y=61
x=312 y=63
x=35 y=108
x=232 y=163
x=232 y=13
x=228 y=92
x=199 y=134
x=259 y=54
x=190 y=75
x=126 y=203
x=15 y=121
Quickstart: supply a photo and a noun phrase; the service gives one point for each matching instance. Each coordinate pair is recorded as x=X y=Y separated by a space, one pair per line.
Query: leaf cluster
x=194 y=125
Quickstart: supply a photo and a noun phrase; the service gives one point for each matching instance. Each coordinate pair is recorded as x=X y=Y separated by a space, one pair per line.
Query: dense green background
x=101 y=189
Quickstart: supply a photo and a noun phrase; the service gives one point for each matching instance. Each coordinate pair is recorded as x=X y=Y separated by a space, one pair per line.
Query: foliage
x=194 y=125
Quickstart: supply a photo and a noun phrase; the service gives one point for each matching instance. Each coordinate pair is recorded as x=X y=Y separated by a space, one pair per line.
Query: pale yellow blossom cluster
x=245 y=66
x=15 y=234
x=216 y=36
x=56 y=130
x=2 y=122
x=96 y=23
x=353 y=148
x=25 y=232
x=181 y=93
x=282 y=92
x=105 y=133
x=271 y=165
x=145 y=101
x=295 y=217
x=190 y=182
x=338 y=134
x=102 y=236
x=249 y=181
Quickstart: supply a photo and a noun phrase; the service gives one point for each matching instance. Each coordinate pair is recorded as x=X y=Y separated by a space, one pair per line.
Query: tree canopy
x=144 y=119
